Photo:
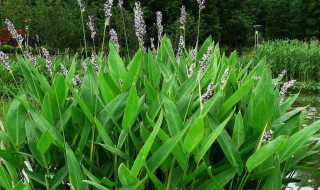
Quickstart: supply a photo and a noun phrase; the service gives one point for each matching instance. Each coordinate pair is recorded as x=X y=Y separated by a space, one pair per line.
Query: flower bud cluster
x=94 y=62
x=91 y=27
x=267 y=136
x=15 y=35
x=180 y=48
x=183 y=17
x=107 y=10
x=159 y=24
x=154 y=51
x=224 y=78
x=139 y=24
x=82 y=7
x=114 y=38
x=208 y=94
x=204 y=60
x=49 y=62
x=5 y=61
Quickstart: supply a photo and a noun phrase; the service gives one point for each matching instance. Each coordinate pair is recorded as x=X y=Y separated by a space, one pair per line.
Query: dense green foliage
x=300 y=60
x=143 y=125
x=230 y=22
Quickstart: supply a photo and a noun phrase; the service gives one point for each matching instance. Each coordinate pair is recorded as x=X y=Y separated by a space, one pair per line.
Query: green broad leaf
x=72 y=69
x=177 y=152
x=219 y=180
x=90 y=91
x=96 y=185
x=194 y=136
x=151 y=92
x=90 y=175
x=44 y=142
x=207 y=142
x=133 y=71
x=140 y=159
x=106 y=92
x=274 y=179
x=5 y=180
x=102 y=132
x=288 y=103
x=20 y=186
x=117 y=151
x=262 y=104
x=164 y=151
x=230 y=151
x=239 y=134
x=265 y=152
x=285 y=117
x=116 y=65
x=297 y=140
x=75 y=173
x=244 y=70
x=36 y=177
x=132 y=109
x=59 y=92
x=236 y=97
x=15 y=122
x=58 y=178
x=33 y=136
x=174 y=121
x=154 y=179
x=192 y=176
x=107 y=182
x=33 y=84
x=126 y=177
x=44 y=125
x=186 y=88
x=47 y=109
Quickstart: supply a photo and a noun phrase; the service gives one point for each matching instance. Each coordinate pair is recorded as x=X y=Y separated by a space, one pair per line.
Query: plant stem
x=125 y=34
x=199 y=19
x=170 y=174
x=84 y=35
x=104 y=35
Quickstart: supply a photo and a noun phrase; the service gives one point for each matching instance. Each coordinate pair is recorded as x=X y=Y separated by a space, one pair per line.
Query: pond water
x=309 y=181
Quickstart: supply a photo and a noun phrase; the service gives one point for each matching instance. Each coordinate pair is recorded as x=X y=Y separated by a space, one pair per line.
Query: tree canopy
x=57 y=23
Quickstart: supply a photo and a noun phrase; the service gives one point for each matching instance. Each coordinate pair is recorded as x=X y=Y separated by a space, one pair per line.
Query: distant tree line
x=57 y=23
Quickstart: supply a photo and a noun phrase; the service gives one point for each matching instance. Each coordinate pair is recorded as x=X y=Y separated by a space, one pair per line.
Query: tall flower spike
x=204 y=60
x=94 y=62
x=76 y=80
x=5 y=61
x=208 y=94
x=82 y=7
x=64 y=70
x=15 y=35
x=139 y=24
x=91 y=26
x=114 y=38
x=84 y=65
x=282 y=74
x=191 y=70
x=193 y=56
x=31 y=58
x=49 y=63
x=225 y=77
x=284 y=89
x=107 y=10
x=154 y=51
x=180 y=48
x=201 y=4
x=183 y=16
x=120 y=4
x=266 y=137
x=159 y=24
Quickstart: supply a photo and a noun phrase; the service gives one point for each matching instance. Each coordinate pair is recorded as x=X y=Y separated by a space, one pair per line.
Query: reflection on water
x=309 y=181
